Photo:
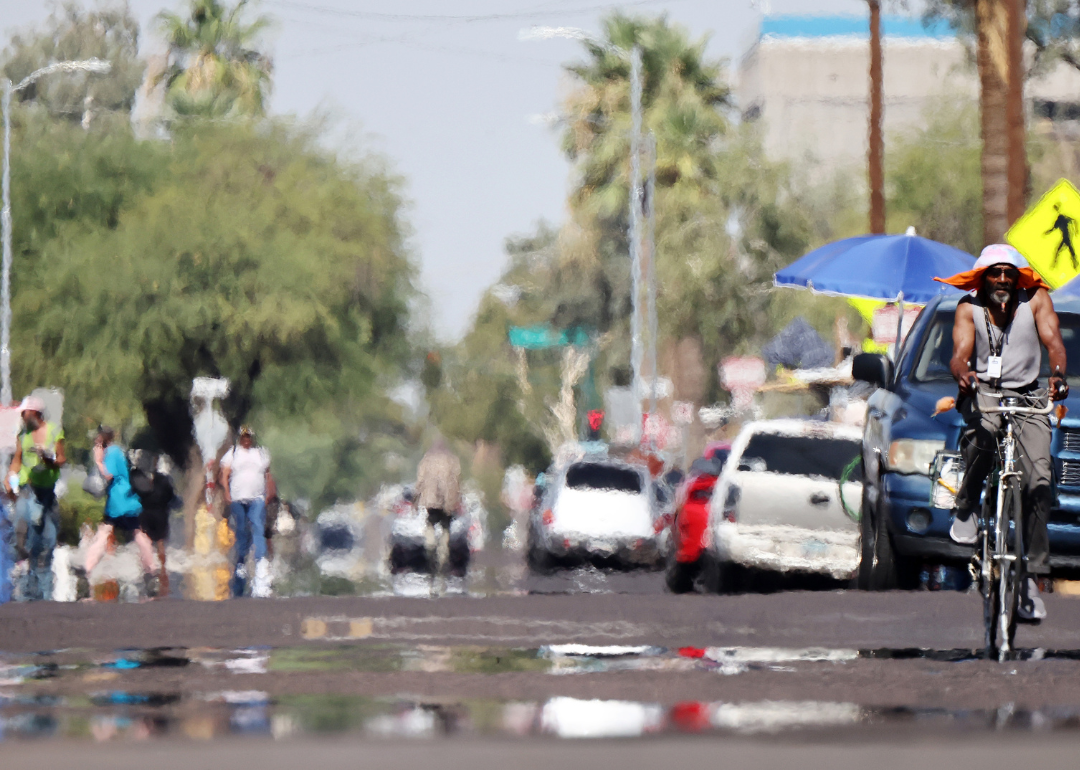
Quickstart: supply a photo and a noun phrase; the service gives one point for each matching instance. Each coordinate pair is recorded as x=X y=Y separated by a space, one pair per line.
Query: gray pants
x=978 y=444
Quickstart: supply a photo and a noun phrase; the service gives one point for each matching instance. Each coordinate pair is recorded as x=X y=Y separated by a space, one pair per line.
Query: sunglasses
x=1007 y=272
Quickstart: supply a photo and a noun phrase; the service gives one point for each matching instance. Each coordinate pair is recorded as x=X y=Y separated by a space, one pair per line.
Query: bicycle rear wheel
x=1008 y=548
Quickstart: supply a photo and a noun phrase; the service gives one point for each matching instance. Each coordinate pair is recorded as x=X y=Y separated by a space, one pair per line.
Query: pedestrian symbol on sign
x=1047 y=234
x=1065 y=225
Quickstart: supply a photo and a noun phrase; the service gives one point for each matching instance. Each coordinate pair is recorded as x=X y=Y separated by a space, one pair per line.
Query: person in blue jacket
x=122 y=506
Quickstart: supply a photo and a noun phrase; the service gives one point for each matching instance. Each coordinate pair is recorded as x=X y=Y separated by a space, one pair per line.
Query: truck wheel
x=881 y=567
x=865 y=578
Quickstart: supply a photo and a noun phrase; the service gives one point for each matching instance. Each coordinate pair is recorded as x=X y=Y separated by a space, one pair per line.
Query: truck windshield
x=933 y=362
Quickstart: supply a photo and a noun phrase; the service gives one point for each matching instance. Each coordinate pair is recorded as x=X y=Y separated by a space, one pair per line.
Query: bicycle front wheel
x=1008 y=549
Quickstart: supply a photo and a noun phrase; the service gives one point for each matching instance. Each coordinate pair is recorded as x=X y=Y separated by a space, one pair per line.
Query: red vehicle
x=692 y=518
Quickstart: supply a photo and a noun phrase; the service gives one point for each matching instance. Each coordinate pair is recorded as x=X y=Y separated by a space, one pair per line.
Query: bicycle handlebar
x=1016 y=409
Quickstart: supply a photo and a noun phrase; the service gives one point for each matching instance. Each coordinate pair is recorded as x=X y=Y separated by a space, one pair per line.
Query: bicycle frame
x=1000 y=560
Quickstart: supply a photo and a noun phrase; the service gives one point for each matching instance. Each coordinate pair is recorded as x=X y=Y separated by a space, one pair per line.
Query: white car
x=788 y=500
x=596 y=509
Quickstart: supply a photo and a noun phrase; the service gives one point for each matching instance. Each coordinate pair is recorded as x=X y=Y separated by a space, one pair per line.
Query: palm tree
x=1000 y=27
x=214 y=68
x=684 y=101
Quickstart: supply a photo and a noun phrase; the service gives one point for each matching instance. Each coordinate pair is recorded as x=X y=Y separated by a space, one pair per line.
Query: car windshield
x=606 y=477
x=933 y=361
x=801 y=455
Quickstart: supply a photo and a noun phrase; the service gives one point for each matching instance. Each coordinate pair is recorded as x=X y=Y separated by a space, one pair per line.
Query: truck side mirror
x=873 y=368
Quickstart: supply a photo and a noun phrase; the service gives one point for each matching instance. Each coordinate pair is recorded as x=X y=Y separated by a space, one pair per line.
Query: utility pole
x=636 y=347
x=992 y=18
x=1014 y=111
x=876 y=151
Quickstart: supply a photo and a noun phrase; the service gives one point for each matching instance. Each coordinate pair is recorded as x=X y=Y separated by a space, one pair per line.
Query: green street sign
x=542 y=337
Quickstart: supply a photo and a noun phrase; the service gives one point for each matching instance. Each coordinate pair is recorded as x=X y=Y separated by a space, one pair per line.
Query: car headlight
x=908 y=455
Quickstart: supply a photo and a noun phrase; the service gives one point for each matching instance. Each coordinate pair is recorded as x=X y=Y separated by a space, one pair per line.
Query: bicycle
x=999 y=558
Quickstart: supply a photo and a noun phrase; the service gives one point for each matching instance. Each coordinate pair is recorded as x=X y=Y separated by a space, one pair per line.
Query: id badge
x=993 y=367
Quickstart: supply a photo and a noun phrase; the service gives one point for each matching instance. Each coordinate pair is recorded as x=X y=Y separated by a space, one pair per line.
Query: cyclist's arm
x=963 y=336
x=1046 y=321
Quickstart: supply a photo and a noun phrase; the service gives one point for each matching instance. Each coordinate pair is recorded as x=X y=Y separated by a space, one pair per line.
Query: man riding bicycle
x=998 y=329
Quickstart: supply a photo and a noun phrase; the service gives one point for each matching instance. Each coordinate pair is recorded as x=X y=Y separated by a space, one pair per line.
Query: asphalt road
x=824 y=679
x=937 y=620
x=968 y=753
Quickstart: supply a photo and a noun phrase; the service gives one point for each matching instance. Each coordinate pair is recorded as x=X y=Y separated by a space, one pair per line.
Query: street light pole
x=84 y=65
x=637 y=350
x=5 y=281
x=637 y=217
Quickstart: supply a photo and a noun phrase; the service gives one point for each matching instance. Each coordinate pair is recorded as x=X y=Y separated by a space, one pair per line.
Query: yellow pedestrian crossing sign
x=1048 y=234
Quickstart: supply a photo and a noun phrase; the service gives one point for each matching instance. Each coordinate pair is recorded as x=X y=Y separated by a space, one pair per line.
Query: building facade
x=806 y=79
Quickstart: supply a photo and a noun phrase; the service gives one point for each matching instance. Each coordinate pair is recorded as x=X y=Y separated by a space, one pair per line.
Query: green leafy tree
x=289 y=276
x=62 y=175
x=933 y=180
x=71 y=33
x=215 y=67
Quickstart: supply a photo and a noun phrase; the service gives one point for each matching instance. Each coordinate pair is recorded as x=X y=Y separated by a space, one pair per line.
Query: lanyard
x=994 y=350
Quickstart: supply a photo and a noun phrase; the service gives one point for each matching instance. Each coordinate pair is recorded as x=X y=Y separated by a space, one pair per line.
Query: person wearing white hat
x=33 y=473
x=247 y=484
x=998 y=336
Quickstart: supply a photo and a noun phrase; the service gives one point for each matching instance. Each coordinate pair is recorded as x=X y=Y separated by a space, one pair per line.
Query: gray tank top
x=1021 y=350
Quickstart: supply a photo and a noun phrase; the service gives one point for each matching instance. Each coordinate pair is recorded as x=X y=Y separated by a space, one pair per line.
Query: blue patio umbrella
x=889 y=267
x=897 y=268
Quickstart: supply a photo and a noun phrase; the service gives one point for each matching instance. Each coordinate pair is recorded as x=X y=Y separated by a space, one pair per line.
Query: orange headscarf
x=997 y=254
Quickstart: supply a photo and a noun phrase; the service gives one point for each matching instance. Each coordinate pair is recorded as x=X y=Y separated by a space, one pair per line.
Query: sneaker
x=260 y=586
x=1030 y=607
x=964 y=531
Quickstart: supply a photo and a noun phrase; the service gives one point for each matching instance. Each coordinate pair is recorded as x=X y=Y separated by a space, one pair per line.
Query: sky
x=451 y=94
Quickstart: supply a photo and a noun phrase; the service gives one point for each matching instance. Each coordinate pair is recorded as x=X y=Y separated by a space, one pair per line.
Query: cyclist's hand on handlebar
x=1059 y=388
x=969 y=383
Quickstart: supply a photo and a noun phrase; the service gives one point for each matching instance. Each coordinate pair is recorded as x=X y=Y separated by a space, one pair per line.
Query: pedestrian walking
x=122 y=509
x=32 y=475
x=156 y=494
x=247 y=484
x=438 y=491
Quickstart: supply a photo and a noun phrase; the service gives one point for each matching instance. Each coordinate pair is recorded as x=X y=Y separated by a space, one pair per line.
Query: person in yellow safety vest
x=32 y=475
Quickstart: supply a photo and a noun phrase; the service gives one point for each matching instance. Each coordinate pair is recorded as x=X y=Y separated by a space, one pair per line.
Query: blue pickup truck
x=904 y=444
